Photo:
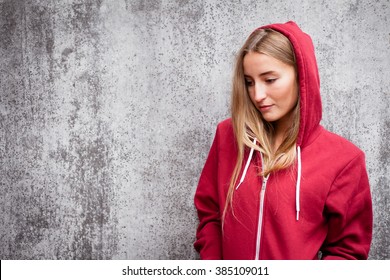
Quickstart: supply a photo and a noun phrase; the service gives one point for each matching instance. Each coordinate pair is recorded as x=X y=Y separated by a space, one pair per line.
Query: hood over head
x=309 y=94
x=308 y=76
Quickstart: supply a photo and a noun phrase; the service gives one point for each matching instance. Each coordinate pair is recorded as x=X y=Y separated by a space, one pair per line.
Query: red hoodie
x=323 y=204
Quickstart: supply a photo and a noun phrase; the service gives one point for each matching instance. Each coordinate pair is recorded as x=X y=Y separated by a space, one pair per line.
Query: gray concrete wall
x=108 y=109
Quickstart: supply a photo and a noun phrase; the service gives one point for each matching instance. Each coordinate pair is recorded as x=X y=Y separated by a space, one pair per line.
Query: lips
x=265 y=108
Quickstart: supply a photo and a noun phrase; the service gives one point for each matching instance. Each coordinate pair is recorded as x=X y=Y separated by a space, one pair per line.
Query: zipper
x=260 y=220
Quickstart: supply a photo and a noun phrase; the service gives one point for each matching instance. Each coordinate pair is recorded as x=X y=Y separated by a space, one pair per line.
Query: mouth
x=265 y=108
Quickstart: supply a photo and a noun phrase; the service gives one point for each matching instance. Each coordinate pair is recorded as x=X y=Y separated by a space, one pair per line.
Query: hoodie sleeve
x=209 y=236
x=349 y=211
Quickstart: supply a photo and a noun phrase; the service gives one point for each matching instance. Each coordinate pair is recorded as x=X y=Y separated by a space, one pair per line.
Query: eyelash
x=268 y=81
x=248 y=83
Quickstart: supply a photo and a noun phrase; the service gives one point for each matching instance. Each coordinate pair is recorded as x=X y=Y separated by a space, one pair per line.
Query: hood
x=309 y=92
x=309 y=80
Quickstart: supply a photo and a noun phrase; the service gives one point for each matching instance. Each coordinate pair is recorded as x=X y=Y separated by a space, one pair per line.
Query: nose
x=259 y=92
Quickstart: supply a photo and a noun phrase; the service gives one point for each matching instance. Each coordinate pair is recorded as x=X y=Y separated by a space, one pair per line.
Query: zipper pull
x=265 y=179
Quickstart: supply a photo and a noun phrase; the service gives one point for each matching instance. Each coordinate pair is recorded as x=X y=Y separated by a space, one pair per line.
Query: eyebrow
x=263 y=74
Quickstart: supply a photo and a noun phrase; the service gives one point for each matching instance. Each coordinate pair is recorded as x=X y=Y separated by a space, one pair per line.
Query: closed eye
x=248 y=83
x=270 y=81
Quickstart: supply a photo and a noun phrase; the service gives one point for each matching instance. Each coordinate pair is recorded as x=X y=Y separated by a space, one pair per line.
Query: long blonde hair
x=248 y=122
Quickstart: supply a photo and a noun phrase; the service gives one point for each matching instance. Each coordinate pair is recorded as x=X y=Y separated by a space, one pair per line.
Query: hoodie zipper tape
x=260 y=220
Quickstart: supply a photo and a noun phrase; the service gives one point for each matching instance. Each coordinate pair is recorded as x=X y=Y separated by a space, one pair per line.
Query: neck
x=281 y=128
x=278 y=140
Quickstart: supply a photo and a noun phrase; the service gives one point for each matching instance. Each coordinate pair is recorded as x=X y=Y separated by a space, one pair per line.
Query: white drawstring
x=299 y=173
x=298 y=185
x=247 y=164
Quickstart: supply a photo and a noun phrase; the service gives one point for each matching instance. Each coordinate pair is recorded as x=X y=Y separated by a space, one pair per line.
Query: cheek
x=295 y=92
x=283 y=91
x=289 y=92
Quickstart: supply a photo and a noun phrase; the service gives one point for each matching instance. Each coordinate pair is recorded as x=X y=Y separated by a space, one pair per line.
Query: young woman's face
x=272 y=87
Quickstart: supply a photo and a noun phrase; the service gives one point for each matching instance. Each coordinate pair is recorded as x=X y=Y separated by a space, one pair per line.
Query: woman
x=276 y=184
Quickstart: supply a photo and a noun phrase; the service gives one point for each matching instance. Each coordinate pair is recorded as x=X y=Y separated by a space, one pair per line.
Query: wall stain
x=9 y=20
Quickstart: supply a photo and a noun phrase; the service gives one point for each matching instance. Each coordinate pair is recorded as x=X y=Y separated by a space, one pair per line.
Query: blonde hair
x=248 y=122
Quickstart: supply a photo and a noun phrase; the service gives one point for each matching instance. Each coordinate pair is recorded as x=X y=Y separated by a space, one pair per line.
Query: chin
x=270 y=119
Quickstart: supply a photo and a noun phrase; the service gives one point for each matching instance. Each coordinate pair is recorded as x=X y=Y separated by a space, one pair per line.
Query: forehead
x=258 y=63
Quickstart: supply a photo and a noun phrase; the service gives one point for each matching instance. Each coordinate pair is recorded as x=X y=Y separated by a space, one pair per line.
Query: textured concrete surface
x=108 y=109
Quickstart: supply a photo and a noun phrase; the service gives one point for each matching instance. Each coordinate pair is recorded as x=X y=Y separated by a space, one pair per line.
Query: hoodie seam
x=320 y=132
x=358 y=154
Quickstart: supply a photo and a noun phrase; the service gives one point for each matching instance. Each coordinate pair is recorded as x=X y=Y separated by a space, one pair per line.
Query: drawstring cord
x=298 y=185
x=299 y=174
x=247 y=165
